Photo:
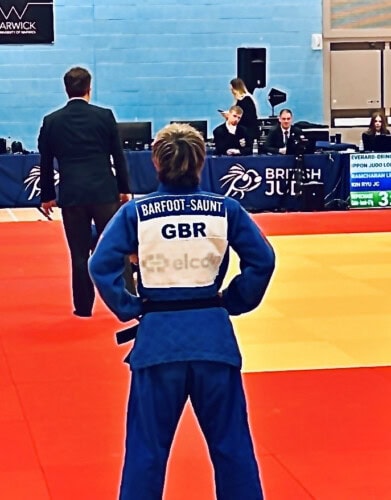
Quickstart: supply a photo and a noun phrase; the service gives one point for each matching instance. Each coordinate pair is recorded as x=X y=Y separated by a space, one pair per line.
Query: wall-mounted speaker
x=251 y=67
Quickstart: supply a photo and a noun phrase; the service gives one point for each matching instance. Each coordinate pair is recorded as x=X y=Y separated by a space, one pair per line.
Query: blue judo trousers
x=158 y=395
x=182 y=238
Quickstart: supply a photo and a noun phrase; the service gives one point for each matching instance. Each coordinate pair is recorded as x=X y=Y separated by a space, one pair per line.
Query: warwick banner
x=26 y=21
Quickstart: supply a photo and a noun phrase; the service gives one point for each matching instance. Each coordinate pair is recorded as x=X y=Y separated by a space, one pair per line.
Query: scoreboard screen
x=370 y=180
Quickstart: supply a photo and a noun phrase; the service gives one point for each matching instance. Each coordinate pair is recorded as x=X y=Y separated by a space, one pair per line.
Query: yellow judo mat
x=328 y=305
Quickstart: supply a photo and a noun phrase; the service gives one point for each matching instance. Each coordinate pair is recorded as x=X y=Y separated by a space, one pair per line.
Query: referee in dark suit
x=82 y=138
x=281 y=139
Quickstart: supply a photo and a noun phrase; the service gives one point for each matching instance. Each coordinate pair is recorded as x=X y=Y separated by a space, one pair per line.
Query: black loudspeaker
x=312 y=197
x=251 y=67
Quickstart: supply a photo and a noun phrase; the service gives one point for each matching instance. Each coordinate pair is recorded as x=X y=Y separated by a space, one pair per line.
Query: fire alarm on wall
x=316 y=41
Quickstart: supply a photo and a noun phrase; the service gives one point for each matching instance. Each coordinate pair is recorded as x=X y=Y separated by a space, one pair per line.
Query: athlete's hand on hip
x=124 y=197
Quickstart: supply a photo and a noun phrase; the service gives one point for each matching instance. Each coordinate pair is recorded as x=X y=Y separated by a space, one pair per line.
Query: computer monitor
x=135 y=135
x=313 y=136
x=306 y=142
x=200 y=125
x=377 y=143
x=383 y=143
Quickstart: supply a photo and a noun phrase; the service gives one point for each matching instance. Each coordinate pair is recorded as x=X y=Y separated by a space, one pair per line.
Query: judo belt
x=128 y=334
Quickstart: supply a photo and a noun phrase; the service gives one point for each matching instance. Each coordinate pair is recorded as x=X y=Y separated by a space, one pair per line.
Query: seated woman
x=377 y=126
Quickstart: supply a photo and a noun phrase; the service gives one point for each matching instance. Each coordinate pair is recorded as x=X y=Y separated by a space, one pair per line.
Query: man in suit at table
x=282 y=138
x=231 y=138
x=82 y=138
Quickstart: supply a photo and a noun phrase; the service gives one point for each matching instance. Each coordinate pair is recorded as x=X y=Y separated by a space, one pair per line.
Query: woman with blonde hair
x=246 y=101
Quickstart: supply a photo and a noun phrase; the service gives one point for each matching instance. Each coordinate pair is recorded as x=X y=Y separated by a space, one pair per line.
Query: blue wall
x=160 y=60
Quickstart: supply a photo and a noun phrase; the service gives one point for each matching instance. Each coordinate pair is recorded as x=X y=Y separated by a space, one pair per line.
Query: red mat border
x=301 y=223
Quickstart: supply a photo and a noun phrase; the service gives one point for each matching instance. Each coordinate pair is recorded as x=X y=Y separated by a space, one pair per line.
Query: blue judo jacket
x=182 y=239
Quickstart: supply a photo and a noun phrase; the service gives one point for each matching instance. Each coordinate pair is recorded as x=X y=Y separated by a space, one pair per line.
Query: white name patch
x=181 y=250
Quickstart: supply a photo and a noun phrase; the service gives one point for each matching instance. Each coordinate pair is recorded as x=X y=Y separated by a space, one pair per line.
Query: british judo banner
x=26 y=21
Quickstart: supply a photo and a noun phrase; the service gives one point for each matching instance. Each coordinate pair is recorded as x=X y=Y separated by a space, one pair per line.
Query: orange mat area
x=319 y=434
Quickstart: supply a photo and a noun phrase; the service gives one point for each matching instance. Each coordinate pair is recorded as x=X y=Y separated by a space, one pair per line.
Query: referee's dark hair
x=77 y=82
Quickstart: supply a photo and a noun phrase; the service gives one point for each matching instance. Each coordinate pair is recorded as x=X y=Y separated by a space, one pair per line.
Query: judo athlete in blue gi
x=185 y=346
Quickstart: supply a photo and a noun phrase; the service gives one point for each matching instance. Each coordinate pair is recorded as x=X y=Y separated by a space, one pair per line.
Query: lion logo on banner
x=240 y=181
x=32 y=182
